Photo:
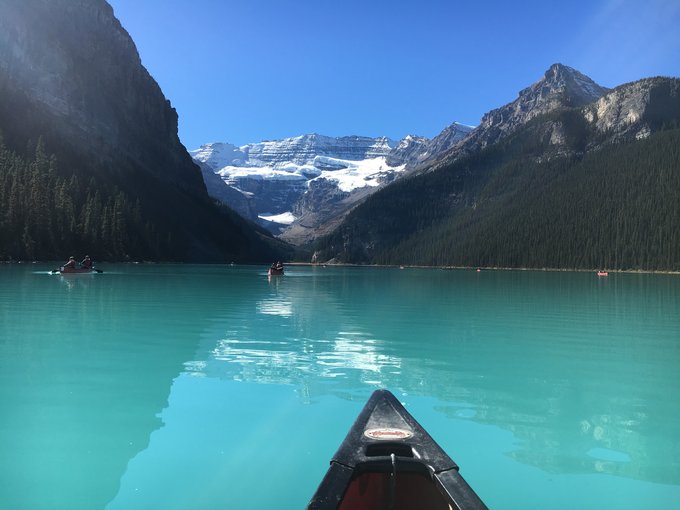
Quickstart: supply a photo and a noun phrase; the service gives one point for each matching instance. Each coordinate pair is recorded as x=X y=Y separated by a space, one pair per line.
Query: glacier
x=296 y=185
x=274 y=175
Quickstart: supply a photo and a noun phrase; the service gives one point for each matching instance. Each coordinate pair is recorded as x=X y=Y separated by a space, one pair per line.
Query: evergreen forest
x=48 y=212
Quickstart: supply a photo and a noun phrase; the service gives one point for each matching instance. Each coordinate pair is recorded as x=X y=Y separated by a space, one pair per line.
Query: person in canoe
x=86 y=263
x=71 y=264
x=276 y=269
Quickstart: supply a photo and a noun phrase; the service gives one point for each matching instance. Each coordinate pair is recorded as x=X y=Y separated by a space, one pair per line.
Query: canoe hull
x=388 y=460
x=77 y=271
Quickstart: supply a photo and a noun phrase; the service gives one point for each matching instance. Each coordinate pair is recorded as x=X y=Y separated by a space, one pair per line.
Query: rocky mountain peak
x=560 y=87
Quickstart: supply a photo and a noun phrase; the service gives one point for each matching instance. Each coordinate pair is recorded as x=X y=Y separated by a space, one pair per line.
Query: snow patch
x=348 y=175
x=286 y=218
x=358 y=174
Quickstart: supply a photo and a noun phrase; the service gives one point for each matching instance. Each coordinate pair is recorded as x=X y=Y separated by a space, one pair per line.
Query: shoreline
x=374 y=266
x=481 y=268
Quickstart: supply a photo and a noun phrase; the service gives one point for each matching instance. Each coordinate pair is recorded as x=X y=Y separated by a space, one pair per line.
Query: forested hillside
x=522 y=203
x=48 y=212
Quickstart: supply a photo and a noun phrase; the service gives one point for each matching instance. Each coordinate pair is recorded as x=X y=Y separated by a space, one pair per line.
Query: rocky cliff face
x=300 y=150
x=237 y=200
x=305 y=149
x=635 y=109
x=70 y=73
x=73 y=60
x=420 y=152
x=409 y=150
x=560 y=87
x=629 y=112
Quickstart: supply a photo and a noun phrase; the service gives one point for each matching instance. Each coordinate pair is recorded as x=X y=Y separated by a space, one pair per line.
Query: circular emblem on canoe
x=387 y=433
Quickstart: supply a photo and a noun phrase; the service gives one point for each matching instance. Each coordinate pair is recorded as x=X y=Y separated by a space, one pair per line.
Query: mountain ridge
x=470 y=198
x=560 y=87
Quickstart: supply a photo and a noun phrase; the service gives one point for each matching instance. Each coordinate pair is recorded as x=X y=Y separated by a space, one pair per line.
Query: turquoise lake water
x=212 y=387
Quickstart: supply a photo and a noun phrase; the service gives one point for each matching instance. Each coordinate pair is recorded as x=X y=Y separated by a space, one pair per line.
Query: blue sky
x=244 y=71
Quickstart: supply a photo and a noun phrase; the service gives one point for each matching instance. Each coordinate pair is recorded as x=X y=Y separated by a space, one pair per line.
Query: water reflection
x=275 y=307
x=299 y=363
x=581 y=371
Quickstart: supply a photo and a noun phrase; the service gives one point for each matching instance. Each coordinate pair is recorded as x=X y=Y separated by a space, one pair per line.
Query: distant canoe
x=602 y=273
x=275 y=272
x=388 y=460
x=76 y=270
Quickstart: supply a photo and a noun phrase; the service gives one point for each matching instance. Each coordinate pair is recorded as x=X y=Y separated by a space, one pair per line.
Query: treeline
x=45 y=213
x=616 y=207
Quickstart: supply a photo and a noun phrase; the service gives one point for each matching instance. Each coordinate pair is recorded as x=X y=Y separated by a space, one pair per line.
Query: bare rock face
x=300 y=151
x=304 y=149
x=71 y=75
x=560 y=87
x=72 y=65
x=635 y=109
x=445 y=140
x=416 y=151
x=408 y=151
x=239 y=202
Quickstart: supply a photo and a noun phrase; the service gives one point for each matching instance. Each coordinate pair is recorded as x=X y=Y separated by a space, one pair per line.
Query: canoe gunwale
x=416 y=453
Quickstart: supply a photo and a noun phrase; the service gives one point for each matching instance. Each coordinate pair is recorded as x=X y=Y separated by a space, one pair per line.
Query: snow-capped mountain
x=300 y=150
x=298 y=183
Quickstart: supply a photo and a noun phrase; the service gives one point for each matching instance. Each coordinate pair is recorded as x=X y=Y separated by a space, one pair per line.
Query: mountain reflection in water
x=568 y=365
